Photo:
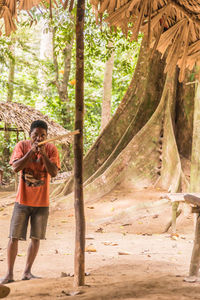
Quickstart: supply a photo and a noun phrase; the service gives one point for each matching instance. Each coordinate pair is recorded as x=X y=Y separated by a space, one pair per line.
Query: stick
x=59 y=137
x=170 y=223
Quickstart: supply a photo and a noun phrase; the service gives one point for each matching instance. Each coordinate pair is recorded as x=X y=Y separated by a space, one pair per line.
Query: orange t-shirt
x=33 y=189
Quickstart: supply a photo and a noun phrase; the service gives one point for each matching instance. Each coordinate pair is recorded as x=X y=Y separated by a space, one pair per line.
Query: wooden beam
x=79 y=257
x=11 y=129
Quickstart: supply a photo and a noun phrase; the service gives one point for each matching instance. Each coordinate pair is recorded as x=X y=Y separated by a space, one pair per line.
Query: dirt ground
x=128 y=253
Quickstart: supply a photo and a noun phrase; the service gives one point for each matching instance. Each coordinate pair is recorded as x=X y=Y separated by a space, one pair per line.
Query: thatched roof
x=171 y=25
x=22 y=116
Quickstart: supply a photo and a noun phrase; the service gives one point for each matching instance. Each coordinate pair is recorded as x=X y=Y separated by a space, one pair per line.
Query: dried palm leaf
x=103 y=6
x=136 y=29
x=9 y=23
x=168 y=36
x=111 y=6
x=11 y=6
x=156 y=18
x=175 y=49
x=118 y=4
x=132 y=4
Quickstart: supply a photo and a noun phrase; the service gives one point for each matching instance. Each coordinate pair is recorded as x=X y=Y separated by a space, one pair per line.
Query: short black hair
x=38 y=124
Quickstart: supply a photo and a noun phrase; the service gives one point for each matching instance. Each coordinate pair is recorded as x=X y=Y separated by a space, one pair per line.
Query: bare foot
x=191 y=279
x=29 y=276
x=7 y=279
x=4 y=291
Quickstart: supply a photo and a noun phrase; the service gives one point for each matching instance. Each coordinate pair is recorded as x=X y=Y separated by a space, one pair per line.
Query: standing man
x=36 y=165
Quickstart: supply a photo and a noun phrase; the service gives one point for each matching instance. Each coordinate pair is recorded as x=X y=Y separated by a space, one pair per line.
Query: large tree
x=143 y=143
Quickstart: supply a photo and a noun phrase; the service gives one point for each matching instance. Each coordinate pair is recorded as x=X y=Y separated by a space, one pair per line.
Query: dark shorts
x=38 y=217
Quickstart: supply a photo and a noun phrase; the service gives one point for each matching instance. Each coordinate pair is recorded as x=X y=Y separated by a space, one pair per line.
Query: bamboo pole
x=79 y=257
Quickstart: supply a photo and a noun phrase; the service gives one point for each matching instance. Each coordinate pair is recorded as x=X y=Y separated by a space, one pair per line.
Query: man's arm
x=20 y=163
x=51 y=167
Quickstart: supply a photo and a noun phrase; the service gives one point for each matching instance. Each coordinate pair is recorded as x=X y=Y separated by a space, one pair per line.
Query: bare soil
x=128 y=253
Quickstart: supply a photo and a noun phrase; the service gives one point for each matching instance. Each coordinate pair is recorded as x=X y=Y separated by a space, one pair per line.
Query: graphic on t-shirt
x=33 y=178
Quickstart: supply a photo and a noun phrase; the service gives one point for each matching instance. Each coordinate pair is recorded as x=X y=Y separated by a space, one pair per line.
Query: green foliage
x=40 y=91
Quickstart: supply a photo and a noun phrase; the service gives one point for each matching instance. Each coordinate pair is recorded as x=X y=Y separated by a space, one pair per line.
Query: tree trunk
x=138 y=147
x=6 y=151
x=145 y=160
x=107 y=90
x=137 y=106
x=11 y=75
x=62 y=82
x=184 y=115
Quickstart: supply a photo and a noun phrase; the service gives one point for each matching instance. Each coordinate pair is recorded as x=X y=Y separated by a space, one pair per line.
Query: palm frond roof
x=22 y=116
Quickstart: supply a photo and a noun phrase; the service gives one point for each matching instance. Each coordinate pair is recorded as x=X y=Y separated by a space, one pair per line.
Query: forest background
x=37 y=65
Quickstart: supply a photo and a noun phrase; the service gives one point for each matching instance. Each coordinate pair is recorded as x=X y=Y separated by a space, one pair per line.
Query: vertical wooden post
x=195 y=181
x=79 y=259
x=175 y=205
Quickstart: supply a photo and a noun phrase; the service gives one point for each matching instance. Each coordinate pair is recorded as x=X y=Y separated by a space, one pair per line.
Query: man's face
x=38 y=135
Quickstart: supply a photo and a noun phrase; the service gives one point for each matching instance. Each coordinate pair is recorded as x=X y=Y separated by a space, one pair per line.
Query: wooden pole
x=79 y=259
x=195 y=182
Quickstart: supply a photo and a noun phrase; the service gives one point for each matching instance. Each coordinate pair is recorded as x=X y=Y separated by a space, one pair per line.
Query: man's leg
x=11 y=256
x=39 y=219
x=31 y=255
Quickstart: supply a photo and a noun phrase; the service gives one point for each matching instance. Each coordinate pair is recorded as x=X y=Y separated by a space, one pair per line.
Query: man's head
x=38 y=124
x=38 y=131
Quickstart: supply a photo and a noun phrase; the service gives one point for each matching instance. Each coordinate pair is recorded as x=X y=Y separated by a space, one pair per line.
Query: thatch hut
x=21 y=116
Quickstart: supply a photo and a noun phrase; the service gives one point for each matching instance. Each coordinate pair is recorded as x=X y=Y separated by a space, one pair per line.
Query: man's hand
x=42 y=150
x=38 y=149
x=34 y=147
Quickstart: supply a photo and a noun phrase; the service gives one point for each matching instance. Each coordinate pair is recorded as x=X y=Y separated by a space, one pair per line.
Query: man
x=36 y=163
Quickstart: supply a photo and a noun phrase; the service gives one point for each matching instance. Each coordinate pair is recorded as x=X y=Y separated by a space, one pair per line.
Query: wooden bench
x=194 y=200
x=191 y=198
